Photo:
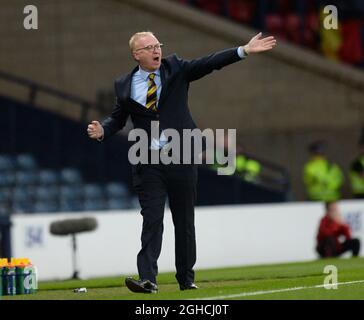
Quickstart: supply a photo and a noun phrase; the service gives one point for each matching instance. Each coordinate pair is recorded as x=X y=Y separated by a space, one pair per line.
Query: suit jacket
x=173 y=112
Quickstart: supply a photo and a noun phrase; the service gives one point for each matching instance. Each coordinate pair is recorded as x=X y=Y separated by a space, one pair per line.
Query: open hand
x=256 y=44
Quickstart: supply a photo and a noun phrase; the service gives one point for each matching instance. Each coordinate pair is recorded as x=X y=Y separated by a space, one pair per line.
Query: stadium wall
x=227 y=236
x=278 y=102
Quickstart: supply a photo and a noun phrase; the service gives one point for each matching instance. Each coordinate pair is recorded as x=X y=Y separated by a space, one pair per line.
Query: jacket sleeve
x=345 y=231
x=198 y=68
x=327 y=228
x=117 y=120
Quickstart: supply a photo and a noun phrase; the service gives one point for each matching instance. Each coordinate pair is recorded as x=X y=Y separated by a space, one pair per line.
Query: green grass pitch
x=278 y=281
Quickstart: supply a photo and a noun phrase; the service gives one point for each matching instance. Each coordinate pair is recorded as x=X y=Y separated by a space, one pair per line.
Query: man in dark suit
x=157 y=90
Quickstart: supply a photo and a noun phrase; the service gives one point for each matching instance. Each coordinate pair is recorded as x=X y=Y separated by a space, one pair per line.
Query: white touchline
x=255 y=293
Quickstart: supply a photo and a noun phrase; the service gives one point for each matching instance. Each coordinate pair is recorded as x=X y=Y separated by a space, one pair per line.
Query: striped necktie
x=152 y=93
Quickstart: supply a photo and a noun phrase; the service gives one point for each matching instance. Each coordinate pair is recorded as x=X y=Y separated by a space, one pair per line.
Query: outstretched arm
x=198 y=68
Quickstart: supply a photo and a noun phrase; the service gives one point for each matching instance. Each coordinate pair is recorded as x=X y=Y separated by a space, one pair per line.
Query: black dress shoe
x=141 y=286
x=188 y=286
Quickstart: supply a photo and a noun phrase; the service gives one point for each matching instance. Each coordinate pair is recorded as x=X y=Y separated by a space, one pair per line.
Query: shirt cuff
x=241 y=53
x=102 y=137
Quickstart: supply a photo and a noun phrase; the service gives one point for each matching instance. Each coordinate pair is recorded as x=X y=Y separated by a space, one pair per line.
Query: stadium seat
x=311 y=5
x=241 y=11
x=115 y=204
x=5 y=194
x=70 y=205
x=27 y=178
x=6 y=163
x=25 y=162
x=312 y=21
x=212 y=6
x=117 y=190
x=22 y=194
x=93 y=191
x=310 y=29
x=22 y=207
x=46 y=206
x=48 y=177
x=309 y=39
x=4 y=208
x=284 y=6
x=134 y=203
x=292 y=24
x=70 y=176
x=46 y=193
x=67 y=192
x=351 y=50
x=94 y=204
x=7 y=179
x=274 y=25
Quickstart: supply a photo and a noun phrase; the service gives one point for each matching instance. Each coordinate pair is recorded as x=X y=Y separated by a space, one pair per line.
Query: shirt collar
x=145 y=74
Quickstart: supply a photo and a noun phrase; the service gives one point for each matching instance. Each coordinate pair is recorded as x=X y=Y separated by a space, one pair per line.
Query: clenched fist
x=95 y=130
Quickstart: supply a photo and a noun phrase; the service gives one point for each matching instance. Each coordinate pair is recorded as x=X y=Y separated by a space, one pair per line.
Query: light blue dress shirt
x=139 y=89
x=139 y=86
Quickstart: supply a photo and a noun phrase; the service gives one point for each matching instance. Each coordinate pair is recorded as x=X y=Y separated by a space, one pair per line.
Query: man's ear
x=135 y=56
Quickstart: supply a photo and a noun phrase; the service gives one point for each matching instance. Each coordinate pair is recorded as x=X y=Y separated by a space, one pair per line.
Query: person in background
x=334 y=236
x=323 y=179
x=357 y=172
x=246 y=168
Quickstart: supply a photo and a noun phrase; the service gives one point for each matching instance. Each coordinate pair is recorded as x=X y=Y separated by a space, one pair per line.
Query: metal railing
x=272 y=176
x=36 y=88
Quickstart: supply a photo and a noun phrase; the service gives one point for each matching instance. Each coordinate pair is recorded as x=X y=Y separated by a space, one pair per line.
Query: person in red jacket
x=334 y=236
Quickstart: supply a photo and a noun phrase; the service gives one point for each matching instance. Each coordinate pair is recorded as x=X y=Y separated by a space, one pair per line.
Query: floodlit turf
x=222 y=283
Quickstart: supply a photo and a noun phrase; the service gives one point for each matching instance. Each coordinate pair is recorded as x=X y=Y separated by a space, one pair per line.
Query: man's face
x=147 y=53
x=333 y=212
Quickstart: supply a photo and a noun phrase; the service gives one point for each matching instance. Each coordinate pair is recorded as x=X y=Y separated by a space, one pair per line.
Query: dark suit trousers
x=154 y=183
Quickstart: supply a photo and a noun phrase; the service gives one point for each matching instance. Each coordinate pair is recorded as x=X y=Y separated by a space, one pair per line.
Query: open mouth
x=156 y=59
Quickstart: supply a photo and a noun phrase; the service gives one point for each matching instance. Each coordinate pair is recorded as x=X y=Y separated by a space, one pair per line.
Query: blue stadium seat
x=70 y=205
x=6 y=163
x=46 y=193
x=25 y=162
x=7 y=179
x=22 y=194
x=25 y=178
x=22 y=207
x=48 y=177
x=134 y=203
x=94 y=204
x=70 y=176
x=93 y=191
x=70 y=192
x=46 y=206
x=4 y=208
x=117 y=203
x=117 y=190
x=5 y=194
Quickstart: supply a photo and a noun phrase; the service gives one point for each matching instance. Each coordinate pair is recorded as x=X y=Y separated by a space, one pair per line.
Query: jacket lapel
x=126 y=86
x=164 y=86
x=126 y=89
